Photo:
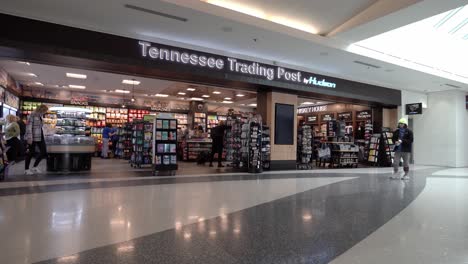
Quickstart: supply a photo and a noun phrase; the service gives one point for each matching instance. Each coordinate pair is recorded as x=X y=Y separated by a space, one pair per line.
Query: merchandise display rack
x=193 y=148
x=387 y=149
x=255 y=146
x=199 y=119
x=304 y=147
x=182 y=121
x=373 y=149
x=70 y=123
x=142 y=137
x=124 y=147
x=344 y=154
x=235 y=141
x=213 y=120
x=165 y=143
x=266 y=148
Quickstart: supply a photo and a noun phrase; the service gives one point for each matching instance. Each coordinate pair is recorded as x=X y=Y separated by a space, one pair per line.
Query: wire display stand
x=165 y=145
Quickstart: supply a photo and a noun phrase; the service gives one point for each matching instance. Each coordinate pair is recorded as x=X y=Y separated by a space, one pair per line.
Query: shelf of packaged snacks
x=116 y=116
x=136 y=114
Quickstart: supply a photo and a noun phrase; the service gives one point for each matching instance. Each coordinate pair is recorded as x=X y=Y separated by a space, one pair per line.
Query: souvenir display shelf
x=165 y=144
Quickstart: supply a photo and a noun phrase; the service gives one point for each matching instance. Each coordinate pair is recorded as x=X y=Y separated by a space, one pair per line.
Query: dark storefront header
x=72 y=47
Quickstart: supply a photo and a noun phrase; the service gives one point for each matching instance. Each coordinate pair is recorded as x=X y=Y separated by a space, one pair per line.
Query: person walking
x=106 y=136
x=35 y=138
x=12 y=133
x=22 y=126
x=217 y=135
x=403 y=140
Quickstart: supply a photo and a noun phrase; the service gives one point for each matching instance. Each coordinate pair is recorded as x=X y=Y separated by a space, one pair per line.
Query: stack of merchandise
x=165 y=140
x=244 y=150
x=255 y=144
x=373 y=147
x=304 y=139
x=266 y=148
x=233 y=141
x=124 y=146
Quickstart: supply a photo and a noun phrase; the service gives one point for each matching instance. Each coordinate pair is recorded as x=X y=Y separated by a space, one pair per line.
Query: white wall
x=440 y=133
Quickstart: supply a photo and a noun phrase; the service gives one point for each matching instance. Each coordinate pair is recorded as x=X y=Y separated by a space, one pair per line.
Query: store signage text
x=328 y=117
x=231 y=65
x=312 y=109
x=312 y=119
x=79 y=100
x=363 y=115
x=346 y=116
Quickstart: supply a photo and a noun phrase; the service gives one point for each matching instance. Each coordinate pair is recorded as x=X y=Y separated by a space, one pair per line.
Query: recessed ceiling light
x=131 y=82
x=205 y=96
x=308 y=103
x=76 y=86
x=24 y=62
x=240 y=95
x=216 y=92
x=121 y=91
x=181 y=93
x=227 y=102
x=319 y=102
x=196 y=99
x=39 y=83
x=161 y=95
x=242 y=104
x=254 y=105
x=191 y=89
x=227 y=98
x=31 y=74
x=76 y=75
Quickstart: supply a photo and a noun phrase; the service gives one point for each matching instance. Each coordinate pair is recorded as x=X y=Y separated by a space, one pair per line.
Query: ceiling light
x=191 y=89
x=242 y=104
x=122 y=91
x=308 y=103
x=161 y=95
x=227 y=102
x=245 y=9
x=227 y=98
x=254 y=105
x=248 y=10
x=76 y=86
x=216 y=92
x=76 y=75
x=181 y=93
x=319 y=102
x=240 y=95
x=196 y=99
x=39 y=83
x=205 y=96
x=133 y=99
x=131 y=82
x=24 y=62
x=31 y=74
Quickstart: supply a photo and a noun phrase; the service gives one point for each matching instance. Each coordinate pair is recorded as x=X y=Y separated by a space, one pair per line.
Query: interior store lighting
x=217 y=92
x=39 y=83
x=255 y=12
x=122 y=91
x=73 y=86
x=161 y=95
x=24 y=62
x=131 y=82
x=76 y=75
x=227 y=98
x=191 y=89
x=31 y=74
x=181 y=93
x=205 y=96
x=308 y=103
x=227 y=102
x=254 y=105
x=196 y=99
x=240 y=95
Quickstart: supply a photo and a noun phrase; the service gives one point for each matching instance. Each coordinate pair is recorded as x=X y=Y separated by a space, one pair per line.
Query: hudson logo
x=322 y=83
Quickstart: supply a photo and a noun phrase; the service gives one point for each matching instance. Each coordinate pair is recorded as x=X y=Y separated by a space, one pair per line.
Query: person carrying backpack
x=403 y=140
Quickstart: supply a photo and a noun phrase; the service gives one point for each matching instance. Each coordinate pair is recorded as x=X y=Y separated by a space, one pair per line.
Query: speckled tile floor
x=295 y=217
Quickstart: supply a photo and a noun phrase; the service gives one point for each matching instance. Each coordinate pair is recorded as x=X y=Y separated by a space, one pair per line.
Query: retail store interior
x=164 y=127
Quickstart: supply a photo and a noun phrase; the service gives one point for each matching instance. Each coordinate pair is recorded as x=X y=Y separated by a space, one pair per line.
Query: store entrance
x=114 y=125
x=342 y=135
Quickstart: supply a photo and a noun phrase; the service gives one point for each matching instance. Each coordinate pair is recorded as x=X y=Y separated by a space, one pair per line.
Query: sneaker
x=36 y=170
x=405 y=178
x=29 y=172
